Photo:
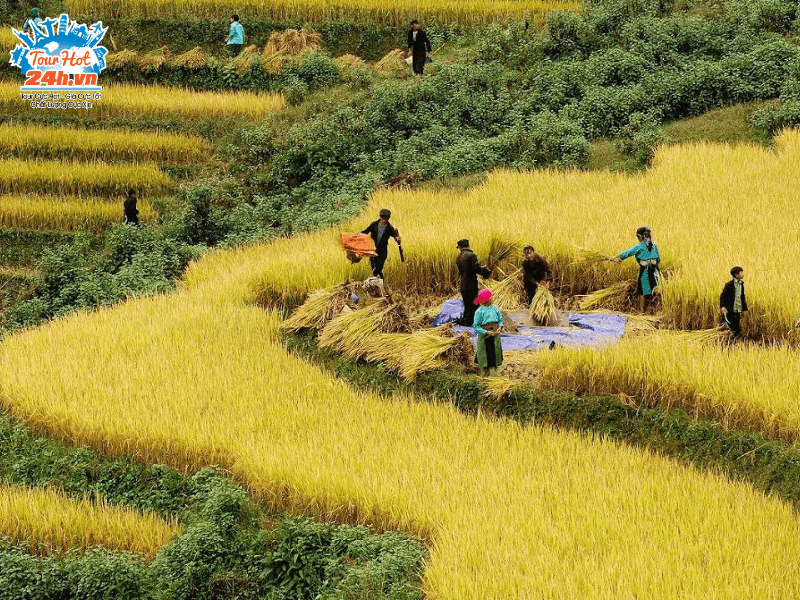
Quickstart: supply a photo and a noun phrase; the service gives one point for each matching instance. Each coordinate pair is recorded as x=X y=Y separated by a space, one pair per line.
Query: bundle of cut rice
x=500 y=253
x=191 y=59
x=508 y=293
x=292 y=42
x=391 y=63
x=246 y=60
x=543 y=307
x=273 y=62
x=319 y=308
x=122 y=59
x=714 y=335
x=497 y=388
x=462 y=352
x=618 y=296
x=348 y=62
x=410 y=354
x=588 y=256
x=154 y=60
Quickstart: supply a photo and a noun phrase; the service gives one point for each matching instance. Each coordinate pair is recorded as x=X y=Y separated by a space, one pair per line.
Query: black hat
x=462 y=244
x=385 y=213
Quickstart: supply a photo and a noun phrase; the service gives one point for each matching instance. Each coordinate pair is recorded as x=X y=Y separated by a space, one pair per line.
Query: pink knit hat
x=483 y=296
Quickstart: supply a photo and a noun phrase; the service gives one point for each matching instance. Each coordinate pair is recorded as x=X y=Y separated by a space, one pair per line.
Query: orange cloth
x=358 y=245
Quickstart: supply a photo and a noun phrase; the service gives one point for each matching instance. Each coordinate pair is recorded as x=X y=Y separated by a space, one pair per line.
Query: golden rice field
x=466 y=12
x=81 y=178
x=51 y=522
x=512 y=512
x=710 y=207
x=65 y=214
x=7 y=39
x=71 y=143
x=137 y=100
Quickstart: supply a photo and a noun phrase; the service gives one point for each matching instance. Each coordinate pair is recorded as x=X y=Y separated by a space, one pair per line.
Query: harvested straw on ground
x=292 y=42
x=543 y=307
x=462 y=352
x=246 y=59
x=320 y=307
x=713 y=335
x=191 y=59
x=348 y=62
x=410 y=354
x=155 y=59
x=274 y=62
x=392 y=63
x=497 y=388
x=122 y=59
x=618 y=296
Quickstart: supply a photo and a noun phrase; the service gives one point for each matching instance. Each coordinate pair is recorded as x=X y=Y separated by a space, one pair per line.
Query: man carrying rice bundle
x=488 y=321
x=646 y=253
x=535 y=270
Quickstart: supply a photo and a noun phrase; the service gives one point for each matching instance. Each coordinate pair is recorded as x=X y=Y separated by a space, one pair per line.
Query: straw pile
x=320 y=308
x=462 y=352
x=154 y=60
x=122 y=59
x=348 y=62
x=191 y=59
x=292 y=42
x=543 y=307
x=274 y=62
x=393 y=63
x=616 y=297
x=246 y=59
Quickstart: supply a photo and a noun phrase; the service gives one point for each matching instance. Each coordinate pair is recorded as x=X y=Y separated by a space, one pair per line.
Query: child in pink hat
x=488 y=321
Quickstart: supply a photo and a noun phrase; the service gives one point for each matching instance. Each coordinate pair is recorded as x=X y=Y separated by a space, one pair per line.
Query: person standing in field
x=419 y=47
x=488 y=321
x=535 y=270
x=236 y=37
x=34 y=17
x=469 y=268
x=646 y=253
x=131 y=212
x=380 y=231
x=733 y=302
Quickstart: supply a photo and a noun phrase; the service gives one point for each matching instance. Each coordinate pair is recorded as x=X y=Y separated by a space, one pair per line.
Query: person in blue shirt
x=236 y=36
x=646 y=253
x=488 y=321
x=34 y=17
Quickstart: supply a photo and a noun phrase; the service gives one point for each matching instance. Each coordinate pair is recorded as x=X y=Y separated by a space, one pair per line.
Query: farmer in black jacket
x=733 y=302
x=380 y=231
x=469 y=268
x=129 y=207
x=418 y=46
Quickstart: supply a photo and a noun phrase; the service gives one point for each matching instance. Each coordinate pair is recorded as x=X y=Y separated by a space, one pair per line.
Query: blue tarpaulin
x=584 y=330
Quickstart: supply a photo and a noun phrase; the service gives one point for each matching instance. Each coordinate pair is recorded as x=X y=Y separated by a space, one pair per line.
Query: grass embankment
x=513 y=512
x=51 y=523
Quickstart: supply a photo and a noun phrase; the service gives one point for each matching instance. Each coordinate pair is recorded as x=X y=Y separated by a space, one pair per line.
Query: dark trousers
x=377 y=262
x=468 y=296
x=530 y=290
x=418 y=62
x=234 y=49
x=734 y=322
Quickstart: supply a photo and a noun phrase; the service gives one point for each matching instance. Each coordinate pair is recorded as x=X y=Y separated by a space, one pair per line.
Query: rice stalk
x=498 y=388
x=615 y=296
x=246 y=59
x=507 y=294
x=392 y=63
